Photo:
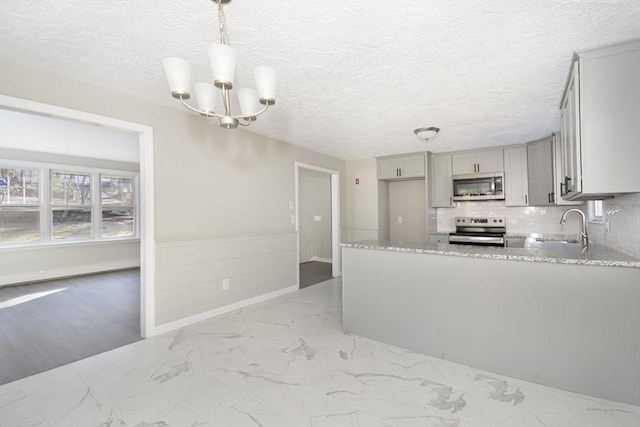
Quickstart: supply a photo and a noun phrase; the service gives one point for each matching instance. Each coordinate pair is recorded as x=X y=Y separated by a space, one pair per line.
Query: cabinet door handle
x=526 y=200
x=562 y=191
x=549 y=197
x=450 y=201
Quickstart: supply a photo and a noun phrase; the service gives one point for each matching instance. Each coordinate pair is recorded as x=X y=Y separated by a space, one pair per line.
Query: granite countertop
x=535 y=251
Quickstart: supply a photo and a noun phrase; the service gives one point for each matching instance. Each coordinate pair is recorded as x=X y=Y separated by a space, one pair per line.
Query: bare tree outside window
x=19 y=205
x=71 y=202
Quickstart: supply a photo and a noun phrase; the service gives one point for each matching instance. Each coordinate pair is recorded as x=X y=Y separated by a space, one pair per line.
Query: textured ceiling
x=355 y=77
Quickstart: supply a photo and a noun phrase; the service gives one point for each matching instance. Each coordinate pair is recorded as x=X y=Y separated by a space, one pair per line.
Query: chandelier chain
x=221 y=23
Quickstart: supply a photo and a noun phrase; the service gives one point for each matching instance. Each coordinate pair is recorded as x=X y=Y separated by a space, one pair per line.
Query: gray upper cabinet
x=441 y=184
x=515 y=176
x=478 y=161
x=599 y=123
x=401 y=167
x=558 y=175
x=540 y=172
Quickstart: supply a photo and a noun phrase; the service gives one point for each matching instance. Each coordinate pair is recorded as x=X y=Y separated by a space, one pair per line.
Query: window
x=49 y=205
x=117 y=206
x=595 y=211
x=70 y=205
x=19 y=205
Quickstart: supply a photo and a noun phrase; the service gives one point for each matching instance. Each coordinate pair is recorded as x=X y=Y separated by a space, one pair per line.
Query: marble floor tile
x=286 y=363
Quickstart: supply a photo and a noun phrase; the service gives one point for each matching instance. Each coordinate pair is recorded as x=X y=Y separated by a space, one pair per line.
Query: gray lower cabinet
x=441 y=184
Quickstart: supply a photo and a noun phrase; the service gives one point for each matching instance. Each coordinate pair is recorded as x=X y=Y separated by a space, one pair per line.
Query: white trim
x=336 y=264
x=320 y=259
x=172 y=326
x=147 y=238
x=56 y=273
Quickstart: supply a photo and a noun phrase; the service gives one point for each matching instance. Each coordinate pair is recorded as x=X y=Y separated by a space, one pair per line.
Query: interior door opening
x=317 y=224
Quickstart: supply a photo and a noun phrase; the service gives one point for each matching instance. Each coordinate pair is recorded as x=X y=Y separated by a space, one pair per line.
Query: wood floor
x=50 y=324
x=313 y=272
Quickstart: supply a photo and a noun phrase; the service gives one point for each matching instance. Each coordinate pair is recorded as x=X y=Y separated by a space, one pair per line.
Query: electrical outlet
x=225 y=284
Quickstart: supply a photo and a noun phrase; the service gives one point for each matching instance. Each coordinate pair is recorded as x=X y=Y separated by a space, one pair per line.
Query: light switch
x=317 y=218
x=400 y=220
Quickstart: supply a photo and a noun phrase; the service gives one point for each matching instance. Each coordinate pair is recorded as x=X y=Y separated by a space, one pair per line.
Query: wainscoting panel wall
x=191 y=273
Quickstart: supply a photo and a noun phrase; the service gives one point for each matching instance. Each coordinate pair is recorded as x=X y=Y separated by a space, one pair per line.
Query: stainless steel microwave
x=478 y=186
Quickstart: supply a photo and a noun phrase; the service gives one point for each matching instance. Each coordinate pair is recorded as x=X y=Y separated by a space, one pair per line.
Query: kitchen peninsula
x=551 y=313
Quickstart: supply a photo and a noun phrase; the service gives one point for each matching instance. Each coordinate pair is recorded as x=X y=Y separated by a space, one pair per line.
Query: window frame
x=46 y=207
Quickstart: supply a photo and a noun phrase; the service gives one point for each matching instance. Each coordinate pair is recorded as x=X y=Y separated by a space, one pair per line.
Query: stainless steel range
x=479 y=231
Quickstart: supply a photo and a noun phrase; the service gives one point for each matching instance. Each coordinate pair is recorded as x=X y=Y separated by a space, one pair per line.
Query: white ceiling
x=355 y=76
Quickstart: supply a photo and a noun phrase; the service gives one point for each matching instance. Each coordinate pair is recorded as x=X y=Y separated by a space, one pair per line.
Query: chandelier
x=223 y=64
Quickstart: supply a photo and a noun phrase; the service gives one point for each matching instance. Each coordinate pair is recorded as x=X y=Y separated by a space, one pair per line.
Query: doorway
x=317 y=224
x=146 y=202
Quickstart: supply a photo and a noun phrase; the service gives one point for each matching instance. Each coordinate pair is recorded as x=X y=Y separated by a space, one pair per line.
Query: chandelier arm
x=244 y=123
x=195 y=110
x=247 y=116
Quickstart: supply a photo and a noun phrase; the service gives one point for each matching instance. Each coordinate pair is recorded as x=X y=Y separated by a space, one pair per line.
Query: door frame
x=146 y=196
x=336 y=261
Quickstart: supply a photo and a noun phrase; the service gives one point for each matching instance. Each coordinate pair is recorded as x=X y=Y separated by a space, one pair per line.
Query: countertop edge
x=506 y=256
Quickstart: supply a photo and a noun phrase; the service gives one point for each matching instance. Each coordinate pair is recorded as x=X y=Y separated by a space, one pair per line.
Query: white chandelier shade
x=178 y=72
x=248 y=99
x=222 y=59
x=205 y=96
x=223 y=64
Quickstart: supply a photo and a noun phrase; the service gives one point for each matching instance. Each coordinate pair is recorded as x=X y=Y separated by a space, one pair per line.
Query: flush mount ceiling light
x=426 y=134
x=223 y=66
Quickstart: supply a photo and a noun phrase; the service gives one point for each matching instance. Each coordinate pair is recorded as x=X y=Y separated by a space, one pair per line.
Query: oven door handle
x=479 y=239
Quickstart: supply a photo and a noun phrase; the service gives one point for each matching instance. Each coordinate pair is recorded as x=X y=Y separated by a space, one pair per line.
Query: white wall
x=43 y=134
x=211 y=185
x=315 y=215
x=362 y=209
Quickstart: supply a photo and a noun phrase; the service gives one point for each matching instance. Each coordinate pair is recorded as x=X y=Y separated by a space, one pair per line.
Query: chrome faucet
x=583 y=233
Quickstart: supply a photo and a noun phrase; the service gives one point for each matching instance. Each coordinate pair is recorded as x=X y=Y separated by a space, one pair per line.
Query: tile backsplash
x=622 y=232
x=520 y=220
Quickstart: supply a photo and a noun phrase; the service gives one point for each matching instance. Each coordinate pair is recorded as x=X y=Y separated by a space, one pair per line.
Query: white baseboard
x=168 y=327
x=319 y=259
x=36 y=276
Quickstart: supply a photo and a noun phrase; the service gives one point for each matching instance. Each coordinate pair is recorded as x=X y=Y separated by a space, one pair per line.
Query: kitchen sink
x=541 y=242
x=545 y=240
